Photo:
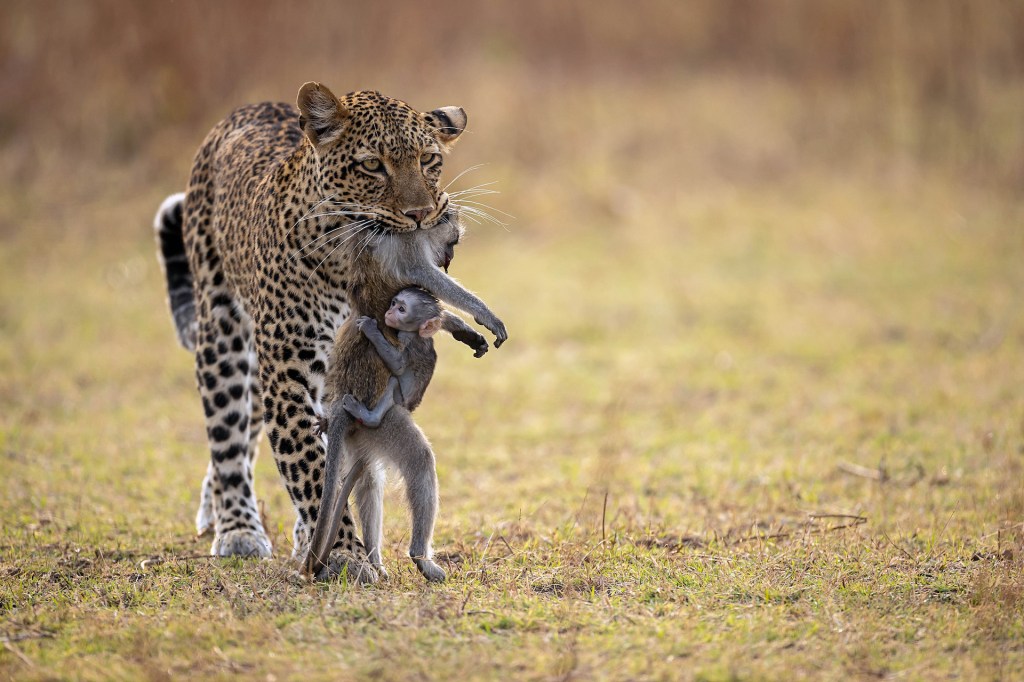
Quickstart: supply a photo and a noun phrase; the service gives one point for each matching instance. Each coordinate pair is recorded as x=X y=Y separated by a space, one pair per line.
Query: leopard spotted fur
x=258 y=284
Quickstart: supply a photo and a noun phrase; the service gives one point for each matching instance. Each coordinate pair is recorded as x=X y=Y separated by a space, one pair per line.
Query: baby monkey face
x=403 y=314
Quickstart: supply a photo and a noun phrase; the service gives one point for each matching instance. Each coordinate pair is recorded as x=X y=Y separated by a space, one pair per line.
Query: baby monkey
x=416 y=315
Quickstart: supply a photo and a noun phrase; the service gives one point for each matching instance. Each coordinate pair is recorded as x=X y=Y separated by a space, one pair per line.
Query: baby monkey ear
x=321 y=115
x=430 y=327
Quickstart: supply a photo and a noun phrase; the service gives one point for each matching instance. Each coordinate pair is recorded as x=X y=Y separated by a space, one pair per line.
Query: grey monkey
x=416 y=315
x=394 y=263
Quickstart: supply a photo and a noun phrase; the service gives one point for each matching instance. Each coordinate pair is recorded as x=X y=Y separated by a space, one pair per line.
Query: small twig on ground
x=17 y=652
x=487 y=546
x=579 y=511
x=591 y=551
x=857 y=521
x=502 y=538
x=604 y=513
x=905 y=552
x=816 y=515
x=864 y=472
x=22 y=636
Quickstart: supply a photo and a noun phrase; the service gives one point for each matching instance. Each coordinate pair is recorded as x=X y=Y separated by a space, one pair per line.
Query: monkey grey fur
x=400 y=260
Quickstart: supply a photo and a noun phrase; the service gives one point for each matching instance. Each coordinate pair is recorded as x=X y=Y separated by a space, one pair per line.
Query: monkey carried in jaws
x=389 y=366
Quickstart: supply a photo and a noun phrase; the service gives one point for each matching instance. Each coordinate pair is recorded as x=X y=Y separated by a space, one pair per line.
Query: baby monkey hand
x=365 y=322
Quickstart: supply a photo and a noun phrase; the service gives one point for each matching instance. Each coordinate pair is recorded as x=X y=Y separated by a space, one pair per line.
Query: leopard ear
x=321 y=115
x=448 y=123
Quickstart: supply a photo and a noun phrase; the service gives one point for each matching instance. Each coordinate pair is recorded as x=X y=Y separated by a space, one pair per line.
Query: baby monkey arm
x=461 y=331
x=393 y=358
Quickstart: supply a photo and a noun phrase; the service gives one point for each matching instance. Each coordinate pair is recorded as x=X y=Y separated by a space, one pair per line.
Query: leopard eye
x=429 y=158
x=371 y=165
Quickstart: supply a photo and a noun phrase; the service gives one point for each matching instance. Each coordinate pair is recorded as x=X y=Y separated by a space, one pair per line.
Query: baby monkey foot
x=359 y=411
x=431 y=571
x=321 y=426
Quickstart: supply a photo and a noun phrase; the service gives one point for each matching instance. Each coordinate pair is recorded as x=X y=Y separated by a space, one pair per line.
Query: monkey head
x=414 y=310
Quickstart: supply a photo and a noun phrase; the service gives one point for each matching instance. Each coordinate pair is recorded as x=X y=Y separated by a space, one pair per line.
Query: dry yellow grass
x=747 y=307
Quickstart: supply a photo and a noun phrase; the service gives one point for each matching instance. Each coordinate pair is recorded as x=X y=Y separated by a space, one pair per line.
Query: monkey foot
x=359 y=411
x=431 y=571
x=358 y=571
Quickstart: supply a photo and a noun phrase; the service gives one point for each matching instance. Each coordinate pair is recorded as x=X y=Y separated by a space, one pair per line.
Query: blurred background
x=748 y=238
x=653 y=97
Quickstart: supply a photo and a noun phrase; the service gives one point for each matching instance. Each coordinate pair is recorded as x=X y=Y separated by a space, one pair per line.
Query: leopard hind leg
x=211 y=484
x=225 y=372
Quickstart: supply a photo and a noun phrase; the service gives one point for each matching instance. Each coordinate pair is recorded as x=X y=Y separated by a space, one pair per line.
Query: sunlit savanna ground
x=723 y=347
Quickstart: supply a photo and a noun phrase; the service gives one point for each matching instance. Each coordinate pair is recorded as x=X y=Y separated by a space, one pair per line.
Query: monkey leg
x=369 y=494
x=403 y=443
x=365 y=416
x=336 y=488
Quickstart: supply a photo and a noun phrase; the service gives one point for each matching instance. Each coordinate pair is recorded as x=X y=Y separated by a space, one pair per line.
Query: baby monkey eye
x=371 y=165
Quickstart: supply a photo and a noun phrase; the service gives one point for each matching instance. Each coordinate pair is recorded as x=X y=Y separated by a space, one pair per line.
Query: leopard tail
x=170 y=218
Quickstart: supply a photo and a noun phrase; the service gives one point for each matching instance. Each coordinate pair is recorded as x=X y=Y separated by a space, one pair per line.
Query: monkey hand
x=365 y=322
x=473 y=339
x=495 y=326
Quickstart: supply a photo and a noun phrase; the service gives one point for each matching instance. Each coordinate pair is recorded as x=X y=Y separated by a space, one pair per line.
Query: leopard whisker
x=469 y=212
x=347 y=228
x=481 y=187
x=326 y=214
x=471 y=168
x=352 y=233
x=364 y=244
x=330 y=241
x=462 y=196
x=354 y=206
x=313 y=272
x=482 y=205
x=314 y=207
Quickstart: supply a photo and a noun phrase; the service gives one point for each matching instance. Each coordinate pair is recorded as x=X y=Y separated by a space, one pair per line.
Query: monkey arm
x=461 y=331
x=392 y=357
x=447 y=289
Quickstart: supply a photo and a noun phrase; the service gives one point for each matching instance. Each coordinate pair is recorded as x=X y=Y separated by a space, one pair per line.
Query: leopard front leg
x=293 y=362
x=225 y=376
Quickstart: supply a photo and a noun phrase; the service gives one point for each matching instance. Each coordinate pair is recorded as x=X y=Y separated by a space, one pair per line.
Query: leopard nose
x=418 y=214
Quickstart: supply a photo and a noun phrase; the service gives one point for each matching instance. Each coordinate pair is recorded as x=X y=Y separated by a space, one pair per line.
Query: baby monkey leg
x=366 y=416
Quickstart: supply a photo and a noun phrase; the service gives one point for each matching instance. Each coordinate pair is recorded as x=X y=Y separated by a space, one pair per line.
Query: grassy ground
x=762 y=424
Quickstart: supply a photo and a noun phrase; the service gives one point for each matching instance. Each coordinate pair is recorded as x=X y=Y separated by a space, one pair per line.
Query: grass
x=759 y=417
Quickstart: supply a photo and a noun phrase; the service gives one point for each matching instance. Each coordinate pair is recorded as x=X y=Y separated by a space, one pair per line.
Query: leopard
x=257 y=256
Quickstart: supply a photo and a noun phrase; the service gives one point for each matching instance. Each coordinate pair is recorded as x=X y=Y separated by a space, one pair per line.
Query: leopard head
x=380 y=159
